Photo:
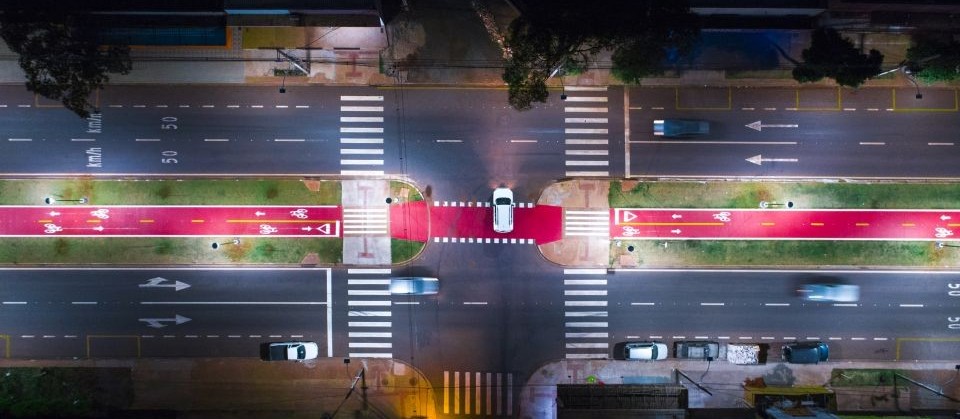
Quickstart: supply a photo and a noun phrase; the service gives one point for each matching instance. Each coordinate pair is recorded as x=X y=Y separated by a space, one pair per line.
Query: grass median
x=799 y=253
x=173 y=250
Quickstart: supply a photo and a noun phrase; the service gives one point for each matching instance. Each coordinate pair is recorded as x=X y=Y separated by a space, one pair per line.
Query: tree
x=938 y=59
x=60 y=55
x=831 y=55
x=567 y=34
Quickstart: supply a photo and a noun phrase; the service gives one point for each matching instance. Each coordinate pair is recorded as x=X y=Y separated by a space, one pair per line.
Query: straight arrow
x=759 y=126
x=158 y=323
x=158 y=282
x=757 y=160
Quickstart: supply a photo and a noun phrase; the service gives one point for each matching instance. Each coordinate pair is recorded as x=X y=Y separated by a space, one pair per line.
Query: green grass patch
x=865 y=378
x=760 y=74
x=779 y=253
x=404 y=191
x=403 y=250
x=172 y=191
x=173 y=251
x=804 y=195
x=64 y=392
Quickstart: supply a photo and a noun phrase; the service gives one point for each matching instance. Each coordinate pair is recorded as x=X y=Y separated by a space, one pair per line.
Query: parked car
x=642 y=351
x=503 y=210
x=414 y=285
x=840 y=293
x=678 y=128
x=805 y=352
x=289 y=351
x=697 y=349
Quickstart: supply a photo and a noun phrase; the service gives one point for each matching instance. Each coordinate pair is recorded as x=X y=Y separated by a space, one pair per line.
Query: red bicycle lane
x=722 y=224
x=409 y=221
x=155 y=221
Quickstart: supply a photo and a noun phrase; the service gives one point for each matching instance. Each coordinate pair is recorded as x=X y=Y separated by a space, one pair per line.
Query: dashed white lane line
x=216 y=139
x=282 y=140
x=147 y=139
x=872 y=143
x=523 y=141
x=777 y=304
x=83 y=302
x=281 y=106
x=256 y=106
x=712 y=304
x=23 y=106
x=303 y=106
x=911 y=305
x=935 y=144
x=475 y=303
x=19 y=139
x=849 y=109
x=207 y=106
x=643 y=304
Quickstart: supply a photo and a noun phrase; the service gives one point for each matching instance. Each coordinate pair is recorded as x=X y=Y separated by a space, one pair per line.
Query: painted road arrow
x=758 y=126
x=944 y=217
x=158 y=282
x=757 y=160
x=674 y=216
x=158 y=323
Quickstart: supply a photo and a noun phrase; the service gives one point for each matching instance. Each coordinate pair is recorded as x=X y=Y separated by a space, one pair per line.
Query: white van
x=503 y=210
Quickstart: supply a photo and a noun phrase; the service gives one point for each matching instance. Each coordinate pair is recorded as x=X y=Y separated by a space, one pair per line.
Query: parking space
x=926 y=100
x=866 y=99
x=818 y=99
x=702 y=99
x=652 y=98
x=750 y=99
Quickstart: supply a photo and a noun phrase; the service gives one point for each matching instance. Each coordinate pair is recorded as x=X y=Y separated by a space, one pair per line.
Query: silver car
x=414 y=285
x=839 y=293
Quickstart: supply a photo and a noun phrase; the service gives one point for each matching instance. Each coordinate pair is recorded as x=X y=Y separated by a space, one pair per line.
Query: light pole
x=216 y=245
x=51 y=200
x=941 y=245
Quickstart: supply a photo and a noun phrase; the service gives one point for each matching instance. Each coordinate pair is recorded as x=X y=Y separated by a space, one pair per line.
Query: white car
x=838 y=293
x=645 y=351
x=503 y=210
x=289 y=351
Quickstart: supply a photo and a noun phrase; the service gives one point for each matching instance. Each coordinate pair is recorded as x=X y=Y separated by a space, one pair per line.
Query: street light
x=941 y=245
x=216 y=245
x=51 y=200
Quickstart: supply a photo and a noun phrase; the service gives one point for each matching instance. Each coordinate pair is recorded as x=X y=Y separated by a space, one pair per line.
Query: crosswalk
x=369 y=324
x=361 y=135
x=477 y=393
x=586 y=131
x=585 y=314
x=477 y=204
x=594 y=223
x=365 y=221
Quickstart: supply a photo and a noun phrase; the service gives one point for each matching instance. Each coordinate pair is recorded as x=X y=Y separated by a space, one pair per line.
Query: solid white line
x=361 y=162
x=370 y=334
x=367 y=313
x=584 y=282
x=289 y=139
x=584 y=292
x=585 y=131
x=361 y=119
x=584 y=271
x=587 y=152
x=585 y=89
x=361 y=109
x=575 y=141
x=361 y=141
x=369 y=324
x=363 y=98
x=369 y=271
x=363 y=130
x=587 y=163
x=585 y=120
x=585 y=313
x=586 y=334
x=586 y=173
x=361 y=151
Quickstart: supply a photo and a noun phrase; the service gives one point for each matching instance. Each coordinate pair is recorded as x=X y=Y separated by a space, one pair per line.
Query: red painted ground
x=542 y=223
x=151 y=221
x=785 y=224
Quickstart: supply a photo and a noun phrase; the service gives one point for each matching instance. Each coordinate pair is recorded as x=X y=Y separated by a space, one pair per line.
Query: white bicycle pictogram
x=299 y=213
x=722 y=216
x=630 y=231
x=942 y=232
x=267 y=229
x=51 y=228
x=101 y=213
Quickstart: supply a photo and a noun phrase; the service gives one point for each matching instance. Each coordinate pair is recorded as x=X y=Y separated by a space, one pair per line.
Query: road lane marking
x=585 y=109
x=584 y=282
x=370 y=334
x=587 y=163
x=643 y=304
x=908 y=225
x=585 y=303
x=585 y=88
x=585 y=313
x=147 y=139
x=862 y=224
x=872 y=143
x=585 y=131
x=935 y=144
x=361 y=119
x=83 y=302
x=146 y=221
x=216 y=139
x=584 y=292
x=585 y=120
x=586 y=334
x=361 y=109
x=719 y=142
x=585 y=271
x=767 y=224
x=523 y=141
x=289 y=139
x=281 y=106
x=361 y=151
x=362 y=98
x=911 y=305
x=348 y=162
x=449 y=141
x=578 y=141
x=475 y=303
x=361 y=130
x=227 y=303
x=586 y=324
x=586 y=99
x=845 y=305
x=777 y=304
x=817 y=224
x=712 y=304
x=586 y=152
x=586 y=173
x=83 y=139
x=19 y=139
x=361 y=141
x=14 y=302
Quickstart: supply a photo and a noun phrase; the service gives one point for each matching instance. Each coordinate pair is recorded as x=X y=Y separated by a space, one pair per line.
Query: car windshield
x=301 y=351
x=503 y=201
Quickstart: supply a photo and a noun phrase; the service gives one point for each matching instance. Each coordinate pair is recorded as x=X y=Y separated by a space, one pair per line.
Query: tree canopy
x=61 y=57
x=831 y=55
x=552 y=35
x=938 y=59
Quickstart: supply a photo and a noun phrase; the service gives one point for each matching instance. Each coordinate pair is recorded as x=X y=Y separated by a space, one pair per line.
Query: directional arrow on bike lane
x=655 y=223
